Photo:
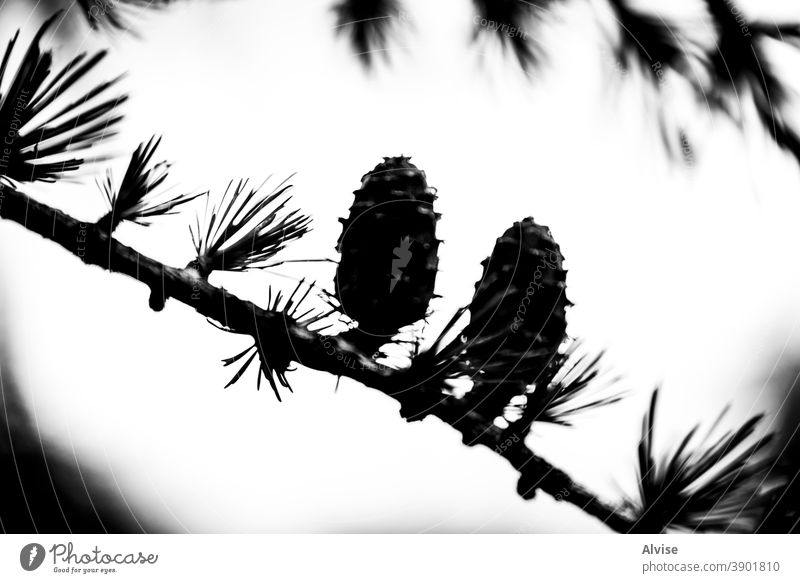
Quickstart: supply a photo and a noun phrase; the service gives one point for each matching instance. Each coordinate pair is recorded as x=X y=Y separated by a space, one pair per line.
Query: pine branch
x=44 y=135
x=704 y=484
x=369 y=25
x=243 y=229
x=115 y=14
x=648 y=40
x=139 y=198
x=508 y=22
x=290 y=341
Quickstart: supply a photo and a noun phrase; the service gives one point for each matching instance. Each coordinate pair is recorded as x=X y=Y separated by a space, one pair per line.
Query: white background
x=688 y=277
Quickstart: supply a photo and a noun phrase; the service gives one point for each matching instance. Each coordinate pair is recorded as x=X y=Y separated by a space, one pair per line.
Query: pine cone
x=517 y=315
x=386 y=275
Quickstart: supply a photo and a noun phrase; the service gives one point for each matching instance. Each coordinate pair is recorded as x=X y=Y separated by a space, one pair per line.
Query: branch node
x=157 y=300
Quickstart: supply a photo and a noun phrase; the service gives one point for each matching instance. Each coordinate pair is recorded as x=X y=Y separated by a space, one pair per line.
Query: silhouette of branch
x=290 y=341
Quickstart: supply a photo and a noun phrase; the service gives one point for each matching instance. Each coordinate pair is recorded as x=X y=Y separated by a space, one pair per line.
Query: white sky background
x=687 y=276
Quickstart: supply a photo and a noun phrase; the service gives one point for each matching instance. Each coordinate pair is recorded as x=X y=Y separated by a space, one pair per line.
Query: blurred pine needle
x=704 y=485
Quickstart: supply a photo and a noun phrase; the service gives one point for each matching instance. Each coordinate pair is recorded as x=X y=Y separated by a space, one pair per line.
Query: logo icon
x=31 y=556
x=402 y=255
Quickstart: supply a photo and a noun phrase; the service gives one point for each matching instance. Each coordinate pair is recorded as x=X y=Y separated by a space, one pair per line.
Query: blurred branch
x=292 y=342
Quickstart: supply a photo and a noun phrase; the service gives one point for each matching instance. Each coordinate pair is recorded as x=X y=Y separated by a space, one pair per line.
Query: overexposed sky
x=687 y=276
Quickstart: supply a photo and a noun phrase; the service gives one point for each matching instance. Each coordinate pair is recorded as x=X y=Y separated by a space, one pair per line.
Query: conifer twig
x=292 y=341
